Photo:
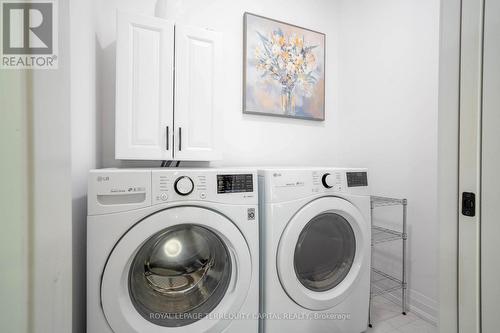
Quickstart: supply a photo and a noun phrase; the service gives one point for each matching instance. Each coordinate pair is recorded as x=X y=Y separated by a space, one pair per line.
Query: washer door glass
x=324 y=252
x=179 y=275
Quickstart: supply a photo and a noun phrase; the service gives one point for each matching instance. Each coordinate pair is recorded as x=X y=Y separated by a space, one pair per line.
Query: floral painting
x=284 y=69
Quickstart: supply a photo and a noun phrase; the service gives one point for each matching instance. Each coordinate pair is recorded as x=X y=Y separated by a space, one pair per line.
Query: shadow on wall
x=79 y=270
x=105 y=100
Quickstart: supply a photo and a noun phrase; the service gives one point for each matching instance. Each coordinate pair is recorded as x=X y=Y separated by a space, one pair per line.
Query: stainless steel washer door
x=179 y=275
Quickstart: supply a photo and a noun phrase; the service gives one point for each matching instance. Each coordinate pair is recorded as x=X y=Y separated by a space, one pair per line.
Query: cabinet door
x=198 y=106
x=144 y=88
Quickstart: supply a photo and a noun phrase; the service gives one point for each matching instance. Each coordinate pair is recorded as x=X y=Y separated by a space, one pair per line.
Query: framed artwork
x=284 y=69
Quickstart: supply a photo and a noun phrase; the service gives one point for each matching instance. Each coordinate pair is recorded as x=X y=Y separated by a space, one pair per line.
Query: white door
x=312 y=279
x=144 y=88
x=490 y=168
x=479 y=227
x=198 y=107
x=172 y=269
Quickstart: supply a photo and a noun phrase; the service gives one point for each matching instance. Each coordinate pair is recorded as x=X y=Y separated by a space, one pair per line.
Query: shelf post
x=404 y=293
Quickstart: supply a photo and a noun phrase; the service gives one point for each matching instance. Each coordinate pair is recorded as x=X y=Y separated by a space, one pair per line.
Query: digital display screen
x=234 y=183
x=355 y=179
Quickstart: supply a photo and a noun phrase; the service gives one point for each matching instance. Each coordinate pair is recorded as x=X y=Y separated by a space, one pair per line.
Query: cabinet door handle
x=180 y=138
x=167 y=140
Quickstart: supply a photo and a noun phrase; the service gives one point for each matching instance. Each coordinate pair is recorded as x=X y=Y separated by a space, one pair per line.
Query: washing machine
x=173 y=251
x=315 y=250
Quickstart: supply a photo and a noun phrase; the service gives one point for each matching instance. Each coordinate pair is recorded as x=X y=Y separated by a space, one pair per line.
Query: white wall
x=388 y=112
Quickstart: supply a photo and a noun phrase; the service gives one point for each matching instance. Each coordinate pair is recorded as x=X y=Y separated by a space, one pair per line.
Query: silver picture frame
x=322 y=46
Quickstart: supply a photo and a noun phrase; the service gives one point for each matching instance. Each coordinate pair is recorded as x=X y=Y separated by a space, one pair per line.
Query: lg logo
x=29 y=38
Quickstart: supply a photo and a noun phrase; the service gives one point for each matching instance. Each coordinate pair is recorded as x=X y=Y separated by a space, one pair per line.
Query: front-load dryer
x=315 y=250
x=172 y=251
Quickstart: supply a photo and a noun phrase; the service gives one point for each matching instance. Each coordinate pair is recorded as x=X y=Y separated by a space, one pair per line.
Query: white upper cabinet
x=154 y=120
x=144 y=88
x=197 y=85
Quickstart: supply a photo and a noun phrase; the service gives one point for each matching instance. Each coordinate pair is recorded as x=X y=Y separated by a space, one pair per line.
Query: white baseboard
x=419 y=304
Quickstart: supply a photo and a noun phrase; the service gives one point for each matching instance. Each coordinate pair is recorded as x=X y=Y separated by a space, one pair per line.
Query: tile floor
x=387 y=318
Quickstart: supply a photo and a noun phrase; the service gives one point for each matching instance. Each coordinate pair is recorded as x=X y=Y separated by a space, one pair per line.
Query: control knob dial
x=183 y=185
x=328 y=180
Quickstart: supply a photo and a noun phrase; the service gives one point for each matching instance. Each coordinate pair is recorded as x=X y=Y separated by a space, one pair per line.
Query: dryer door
x=182 y=269
x=321 y=253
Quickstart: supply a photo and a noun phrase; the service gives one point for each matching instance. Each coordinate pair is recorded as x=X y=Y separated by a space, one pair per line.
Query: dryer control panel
x=288 y=184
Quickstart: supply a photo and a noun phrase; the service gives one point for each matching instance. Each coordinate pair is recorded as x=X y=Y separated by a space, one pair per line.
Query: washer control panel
x=119 y=190
x=203 y=185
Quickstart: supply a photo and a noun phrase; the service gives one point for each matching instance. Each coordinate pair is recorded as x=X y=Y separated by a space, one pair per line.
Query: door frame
x=469 y=230
x=448 y=165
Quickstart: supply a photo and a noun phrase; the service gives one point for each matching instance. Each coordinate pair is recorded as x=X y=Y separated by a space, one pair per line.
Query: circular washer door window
x=324 y=252
x=179 y=275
